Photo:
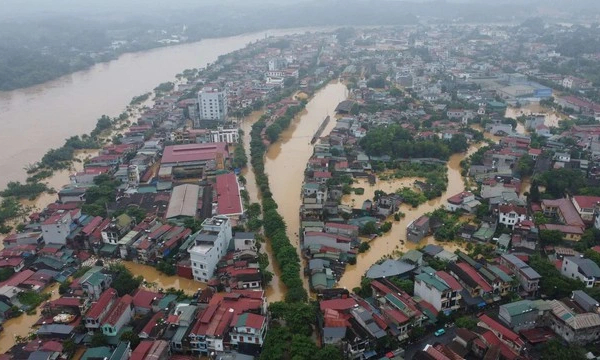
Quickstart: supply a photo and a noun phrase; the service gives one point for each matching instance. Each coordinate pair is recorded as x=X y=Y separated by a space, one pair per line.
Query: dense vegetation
x=98 y=196
x=398 y=143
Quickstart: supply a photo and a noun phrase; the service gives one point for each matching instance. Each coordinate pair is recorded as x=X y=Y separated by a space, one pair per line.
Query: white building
x=209 y=246
x=250 y=329
x=444 y=295
x=510 y=215
x=244 y=241
x=212 y=104
x=225 y=135
x=56 y=228
x=586 y=270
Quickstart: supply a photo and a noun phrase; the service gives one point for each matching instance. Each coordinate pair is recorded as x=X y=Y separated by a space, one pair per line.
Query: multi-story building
x=212 y=104
x=57 y=227
x=443 y=292
x=119 y=316
x=529 y=278
x=586 y=270
x=209 y=245
x=510 y=215
x=249 y=329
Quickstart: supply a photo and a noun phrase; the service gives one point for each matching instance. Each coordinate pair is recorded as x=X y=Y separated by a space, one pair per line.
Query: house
x=151 y=349
x=183 y=203
x=509 y=215
x=464 y=200
x=57 y=227
x=143 y=301
x=248 y=329
x=94 y=282
x=209 y=245
x=324 y=239
x=572 y=322
x=586 y=206
x=117 y=228
x=390 y=268
x=418 y=229
x=528 y=277
x=440 y=290
x=564 y=211
x=99 y=309
x=506 y=335
x=522 y=314
x=475 y=285
x=244 y=241
x=569 y=232
x=119 y=315
x=575 y=267
x=347 y=230
x=229 y=201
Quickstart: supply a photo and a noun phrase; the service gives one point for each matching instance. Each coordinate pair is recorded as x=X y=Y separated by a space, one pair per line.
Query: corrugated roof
x=184 y=201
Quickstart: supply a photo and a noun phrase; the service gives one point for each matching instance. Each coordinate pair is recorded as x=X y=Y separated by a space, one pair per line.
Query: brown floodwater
x=276 y=288
x=22 y=325
x=395 y=240
x=35 y=119
x=156 y=280
x=286 y=159
x=552 y=117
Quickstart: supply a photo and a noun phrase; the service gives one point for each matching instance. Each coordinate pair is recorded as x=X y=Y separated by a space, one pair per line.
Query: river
x=286 y=159
x=35 y=119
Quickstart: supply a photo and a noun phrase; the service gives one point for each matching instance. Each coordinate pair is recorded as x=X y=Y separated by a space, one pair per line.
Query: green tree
x=99 y=339
x=525 y=166
x=124 y=281
x=556 y=350
x=329 y=352
x=466 y=322
x=302 y=347
x=133 y=338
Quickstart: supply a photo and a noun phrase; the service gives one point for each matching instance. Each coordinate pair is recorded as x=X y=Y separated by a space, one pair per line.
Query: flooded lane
x=23 y=325
x=156 y=280
x=286 y=159
x=395 y=239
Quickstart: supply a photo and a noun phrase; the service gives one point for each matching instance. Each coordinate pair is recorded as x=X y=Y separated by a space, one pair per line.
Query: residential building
x=324 y=239
x=100 y=309
x=464 y=200
x=586 y=206
x=248 y=329
x=119 y=315
x=57 y=227
x=564 y=211
x=229 y=201
x=529 y=278
x=573 y=323
x=183 y=203
x=443 y=292
x=523 y=314
x=209 y=245
x=117 y=228
x=94 y=282
x=509 y=215
x=212 y=104
x=418 y=229
x=575 y=267
x=244 y=241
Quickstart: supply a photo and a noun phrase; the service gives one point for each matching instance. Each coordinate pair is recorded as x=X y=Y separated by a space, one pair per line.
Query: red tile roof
x=65 y=301
x=92 y=225
x=450 y=280
x=341 y=226
x=143 y=298
x=177 y=154
x=458 y=198
x=147 y=329
x=473 y=274
x=337 y=304
x=506 y=209
x=141 y=350
x=504 y=332
x=18 y=278
x=229 y=201
x=103 y=302
x=587 y=202
x=118 y=309
x=337 y=238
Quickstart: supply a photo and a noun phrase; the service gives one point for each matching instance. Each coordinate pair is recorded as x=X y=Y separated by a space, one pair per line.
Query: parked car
x=439 y=332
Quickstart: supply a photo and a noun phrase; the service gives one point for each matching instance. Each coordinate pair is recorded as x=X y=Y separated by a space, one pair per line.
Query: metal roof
x=184 y=201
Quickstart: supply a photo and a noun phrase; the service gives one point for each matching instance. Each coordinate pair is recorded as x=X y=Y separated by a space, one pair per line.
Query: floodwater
x=395 y=241
x=22 y=325
x=552 y=117
x=276 y=288
x=35 y=119
x=286 y=159
x=156 y=280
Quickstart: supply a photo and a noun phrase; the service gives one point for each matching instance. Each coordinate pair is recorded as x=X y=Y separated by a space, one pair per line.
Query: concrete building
x=209 y=245
x=57 y=227
x=586 y=270
x=183 y=203
x=441 y=292
x=529 y=278
x=523 y=314
x=510 y=215
x=212 y=104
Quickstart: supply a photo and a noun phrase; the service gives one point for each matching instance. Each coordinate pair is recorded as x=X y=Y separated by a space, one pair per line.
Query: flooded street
x=156 y=280
x=552 y=117
x=391 y=241
x=286 y=159
x=22 y=325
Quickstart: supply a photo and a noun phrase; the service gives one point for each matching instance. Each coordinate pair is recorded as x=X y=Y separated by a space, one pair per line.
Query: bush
x=363 y=247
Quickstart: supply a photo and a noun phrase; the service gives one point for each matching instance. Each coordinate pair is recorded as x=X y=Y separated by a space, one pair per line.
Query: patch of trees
x=164 y=87
x=123 y=280
x=97 y=197
x=139 y=99
x=28 y=190
x=282 y=122
x=398 y=143
x=273 y=223
x=552 y=283
x=559 y=181
x=239 y=154
x=10 y=209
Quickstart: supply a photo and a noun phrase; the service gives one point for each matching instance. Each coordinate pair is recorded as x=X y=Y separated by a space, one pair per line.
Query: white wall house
x=437 y=292
x=586 y=270
x=56 y=228
x=510 y=215
x=250 y=329
x=209 y=246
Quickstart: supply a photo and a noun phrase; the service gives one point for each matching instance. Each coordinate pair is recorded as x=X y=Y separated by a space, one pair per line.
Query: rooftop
x=229 y=201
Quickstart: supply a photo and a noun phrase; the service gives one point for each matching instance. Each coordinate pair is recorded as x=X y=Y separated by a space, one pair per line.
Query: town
x=448 y=207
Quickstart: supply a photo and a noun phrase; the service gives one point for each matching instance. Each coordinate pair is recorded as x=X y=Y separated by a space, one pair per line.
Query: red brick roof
x=103 y=302
x=143 y=298
x=141 y=350
x=504 y=332
x=229 y=201
x=458 y=198
x=587 y=202
x=473 y=274
x=506 y=209
x=450 y=280
x=193 y=152
x=118 y=309
x=337 y=304
x=92 y=225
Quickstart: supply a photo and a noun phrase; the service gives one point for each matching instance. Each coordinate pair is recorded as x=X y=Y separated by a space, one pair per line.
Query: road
x=411 y=350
